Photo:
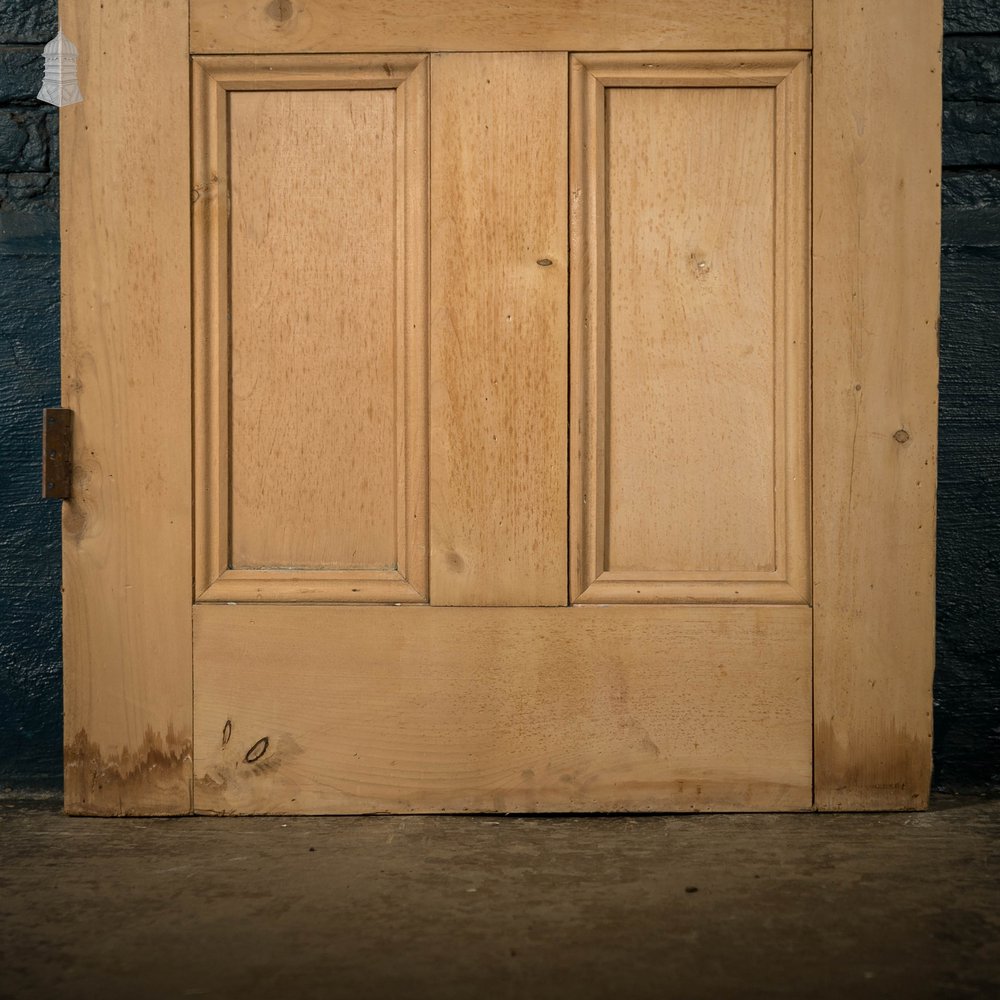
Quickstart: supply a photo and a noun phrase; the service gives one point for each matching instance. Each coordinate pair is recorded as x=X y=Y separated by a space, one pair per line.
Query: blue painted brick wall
x=30 y=605
x=967 y=684
x=967 y=689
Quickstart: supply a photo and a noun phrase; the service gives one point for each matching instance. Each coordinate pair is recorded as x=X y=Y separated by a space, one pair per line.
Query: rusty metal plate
x=57 y=453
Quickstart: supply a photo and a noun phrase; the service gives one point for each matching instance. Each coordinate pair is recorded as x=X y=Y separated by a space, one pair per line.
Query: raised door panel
x=690 y=328
x=310 y=305
x=311 y=372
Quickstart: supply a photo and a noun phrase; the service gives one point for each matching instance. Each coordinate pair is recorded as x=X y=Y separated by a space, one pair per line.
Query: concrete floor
x=902 y=905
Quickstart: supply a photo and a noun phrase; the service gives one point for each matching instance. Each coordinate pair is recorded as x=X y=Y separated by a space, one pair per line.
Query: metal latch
x=57 y=453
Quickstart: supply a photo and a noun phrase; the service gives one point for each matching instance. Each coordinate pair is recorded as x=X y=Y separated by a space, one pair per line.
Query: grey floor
x=901 y=905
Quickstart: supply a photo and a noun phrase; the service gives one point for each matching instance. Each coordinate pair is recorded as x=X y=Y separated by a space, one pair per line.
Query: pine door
x=505 y=435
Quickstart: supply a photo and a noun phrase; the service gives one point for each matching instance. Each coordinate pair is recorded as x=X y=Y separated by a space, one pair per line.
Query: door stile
x=877 y=140
x=126 y=374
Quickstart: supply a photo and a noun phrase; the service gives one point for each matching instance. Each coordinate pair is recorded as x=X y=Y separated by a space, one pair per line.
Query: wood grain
x=312 y=421
x=502 y=710
x=478 y=25
x=126 y=375
x=691 y=69
x=689 y=329
x=690 y=382
x=311 y=429
x=877 y=140
x=357 y=709
x=498 y=329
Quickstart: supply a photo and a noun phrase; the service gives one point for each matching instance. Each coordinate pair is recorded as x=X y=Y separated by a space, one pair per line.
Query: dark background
x=967 y=686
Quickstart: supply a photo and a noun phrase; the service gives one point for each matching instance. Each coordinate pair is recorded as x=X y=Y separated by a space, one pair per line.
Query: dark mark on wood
x=544 y=262
x=280 y=10
x=227 y=731
x=902 y=436
x=153 y=779
x=257 y=750
x=226 y=786
x=891 y=770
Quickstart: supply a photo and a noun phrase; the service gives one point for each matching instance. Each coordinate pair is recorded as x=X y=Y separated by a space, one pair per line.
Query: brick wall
x=967 y=688
x=30 y=635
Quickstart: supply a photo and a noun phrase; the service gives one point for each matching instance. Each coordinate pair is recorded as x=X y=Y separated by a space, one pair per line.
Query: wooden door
x=532 y=446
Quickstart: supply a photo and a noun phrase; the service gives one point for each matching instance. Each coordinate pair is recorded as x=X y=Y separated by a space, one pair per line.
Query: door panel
x=310 y=305
x=313 y=477
x=497 y=709
x=498 y=329
x=690 y=345
x=690 y=328
x=482 y=25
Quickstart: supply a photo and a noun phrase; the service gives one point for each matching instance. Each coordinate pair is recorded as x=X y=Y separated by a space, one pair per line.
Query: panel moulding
x=593 y=578
x=213 y=79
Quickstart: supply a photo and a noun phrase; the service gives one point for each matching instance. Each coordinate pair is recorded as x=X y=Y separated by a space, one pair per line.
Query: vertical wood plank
x=877 y=141
x=498 y=329
x=126 y=375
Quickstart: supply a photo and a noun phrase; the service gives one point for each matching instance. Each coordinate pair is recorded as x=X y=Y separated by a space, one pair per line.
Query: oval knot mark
x=258 y=750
